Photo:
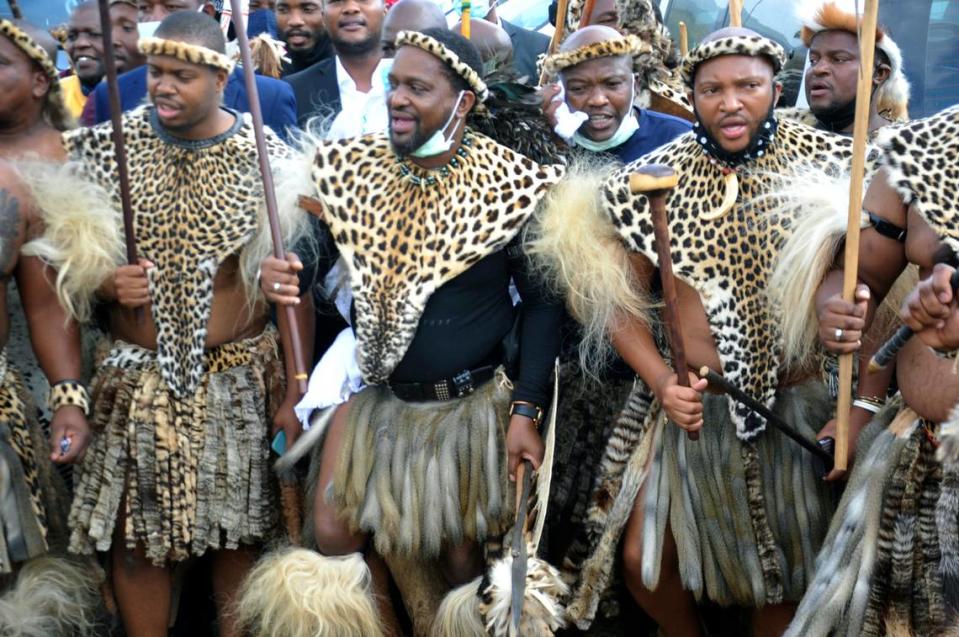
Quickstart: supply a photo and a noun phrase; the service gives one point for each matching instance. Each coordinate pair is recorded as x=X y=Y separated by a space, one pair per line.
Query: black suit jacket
x=316 y=91
x=527 y=46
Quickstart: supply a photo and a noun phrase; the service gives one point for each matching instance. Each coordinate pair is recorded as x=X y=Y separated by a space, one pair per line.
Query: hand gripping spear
x=289 y=334
x=655 y=181
x=116 y=121
x=867 y=50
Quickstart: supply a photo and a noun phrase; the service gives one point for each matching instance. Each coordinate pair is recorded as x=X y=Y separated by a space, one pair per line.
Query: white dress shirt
x=361 y=113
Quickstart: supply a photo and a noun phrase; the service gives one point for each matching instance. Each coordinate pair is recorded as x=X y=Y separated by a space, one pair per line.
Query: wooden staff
x=655 y=181
x=867 y=50
x=289 y=334
x=116 y=120
x=465 y=10
x=683 y=40
x=562 y=10
x=15 y=10
x=587 y=13
x=735 y=13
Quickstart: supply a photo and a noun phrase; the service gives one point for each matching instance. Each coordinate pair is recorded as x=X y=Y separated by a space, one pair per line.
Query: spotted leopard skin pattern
x=728 y=260
x=402 y=240
x=920 y=158
x=192 y=209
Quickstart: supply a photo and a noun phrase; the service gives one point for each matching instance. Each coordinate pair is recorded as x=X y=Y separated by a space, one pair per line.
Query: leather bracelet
x=69 y=392
x=531 y=411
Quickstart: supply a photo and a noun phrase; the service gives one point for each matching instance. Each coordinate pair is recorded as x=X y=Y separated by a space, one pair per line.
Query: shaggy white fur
x=52 y=597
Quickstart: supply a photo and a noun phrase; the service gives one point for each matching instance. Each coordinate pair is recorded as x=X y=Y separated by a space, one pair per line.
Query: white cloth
x=361 y=113
x=567 y=121
x=334 y=379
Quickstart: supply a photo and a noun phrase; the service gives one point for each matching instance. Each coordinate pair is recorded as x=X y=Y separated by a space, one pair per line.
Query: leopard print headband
x=186 y=52
x=626 y=45
x=434 y=47
x=750 y=45
x=36 y=53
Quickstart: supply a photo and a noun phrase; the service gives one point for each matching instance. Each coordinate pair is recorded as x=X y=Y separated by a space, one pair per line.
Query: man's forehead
x=599 y=68
x=835 y=40
x=85 y=13
x=735 y=66
x=297 y=4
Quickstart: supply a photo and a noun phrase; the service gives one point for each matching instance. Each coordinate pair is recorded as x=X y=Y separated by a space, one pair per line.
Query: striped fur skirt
x=748 y=517
x=893 y=542
x=190 y=474
x=423 y=477
x=31 y=494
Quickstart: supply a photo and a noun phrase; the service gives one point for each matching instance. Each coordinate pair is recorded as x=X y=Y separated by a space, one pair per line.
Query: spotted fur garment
x=404 y=231
x=729 y=260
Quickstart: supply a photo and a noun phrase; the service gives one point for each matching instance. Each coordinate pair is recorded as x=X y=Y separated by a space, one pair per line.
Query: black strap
x=460 y=385
x=886 y=229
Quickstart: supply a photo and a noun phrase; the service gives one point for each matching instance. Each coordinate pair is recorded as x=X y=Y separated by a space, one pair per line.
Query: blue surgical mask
x=627 y=127
x=439 y=142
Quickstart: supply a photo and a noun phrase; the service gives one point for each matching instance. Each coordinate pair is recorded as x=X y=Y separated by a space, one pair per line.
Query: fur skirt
x=879 y=569
x=31 y=494
x=748 y=518
x=422 y=477
x=190 y=475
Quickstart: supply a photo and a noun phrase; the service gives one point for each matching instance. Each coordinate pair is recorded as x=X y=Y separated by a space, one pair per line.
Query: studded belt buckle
x=463 y=382
x=442 y=390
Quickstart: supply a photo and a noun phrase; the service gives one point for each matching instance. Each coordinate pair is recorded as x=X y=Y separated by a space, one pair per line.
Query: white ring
x=839 y=332
x=276 y=287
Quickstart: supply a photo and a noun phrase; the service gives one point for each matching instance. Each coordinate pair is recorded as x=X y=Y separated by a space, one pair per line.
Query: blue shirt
x=655 y=130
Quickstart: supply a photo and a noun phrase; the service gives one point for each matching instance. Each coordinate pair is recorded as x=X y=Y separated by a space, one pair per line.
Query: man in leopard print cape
x=830 y=32
x=414 y=468
x=190 y=383
x=890 y=563
x=737 y=516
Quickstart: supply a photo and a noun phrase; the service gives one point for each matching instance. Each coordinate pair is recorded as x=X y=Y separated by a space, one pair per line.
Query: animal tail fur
x=300 y=593
x=51 y=597
x=459 y=614
x=543 y=614
x=574 y=246
x=821 y=198
x=81 y=238
x=947 y=510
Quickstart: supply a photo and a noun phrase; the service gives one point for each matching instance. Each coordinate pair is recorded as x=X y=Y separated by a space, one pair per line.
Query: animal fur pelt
x=300 y=593
x=947 y=510
x=595 y=277
x=51 y=597
x=459 y=614
x=513 y=117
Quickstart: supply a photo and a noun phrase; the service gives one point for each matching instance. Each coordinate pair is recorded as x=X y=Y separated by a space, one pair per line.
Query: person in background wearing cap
x=830 y=31
x=276 y=98
x=737 y=516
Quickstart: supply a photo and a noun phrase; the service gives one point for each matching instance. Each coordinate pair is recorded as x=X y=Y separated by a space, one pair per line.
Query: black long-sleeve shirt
x=466 y=320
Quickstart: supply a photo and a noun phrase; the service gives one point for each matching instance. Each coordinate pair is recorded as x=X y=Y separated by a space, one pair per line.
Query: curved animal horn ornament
x=729 y=198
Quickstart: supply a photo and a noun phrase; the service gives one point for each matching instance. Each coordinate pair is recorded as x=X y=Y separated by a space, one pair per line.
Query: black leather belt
x=460 y=385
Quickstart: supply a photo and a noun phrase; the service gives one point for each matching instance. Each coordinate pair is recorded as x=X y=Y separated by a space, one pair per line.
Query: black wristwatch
x=531 y=411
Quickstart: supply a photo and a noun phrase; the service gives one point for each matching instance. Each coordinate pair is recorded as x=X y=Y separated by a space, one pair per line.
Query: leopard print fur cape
x=729 y=260
x=404 y=231
x=920 y=158
x=194 y=204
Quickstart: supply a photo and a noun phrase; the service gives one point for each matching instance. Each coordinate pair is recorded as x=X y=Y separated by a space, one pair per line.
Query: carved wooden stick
x=655 y=181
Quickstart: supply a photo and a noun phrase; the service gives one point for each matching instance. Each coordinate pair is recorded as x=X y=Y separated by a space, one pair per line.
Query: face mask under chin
x=627 y=126
x=439 y=142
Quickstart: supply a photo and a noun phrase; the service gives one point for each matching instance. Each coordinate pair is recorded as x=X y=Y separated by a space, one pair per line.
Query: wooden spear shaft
x=116 y=120
x=867 y=50
x=562 y=10
x=289 y=334
x=683 y=40
x=587 y=13
x=735 y=13
x=655 y=181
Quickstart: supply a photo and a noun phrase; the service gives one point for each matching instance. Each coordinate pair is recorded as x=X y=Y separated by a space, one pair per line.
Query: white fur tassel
x=52 y=597
x=543 y=613
x=319 y=421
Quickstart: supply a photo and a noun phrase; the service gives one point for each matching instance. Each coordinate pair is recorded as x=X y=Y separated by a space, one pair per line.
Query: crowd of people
x=518 y=417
